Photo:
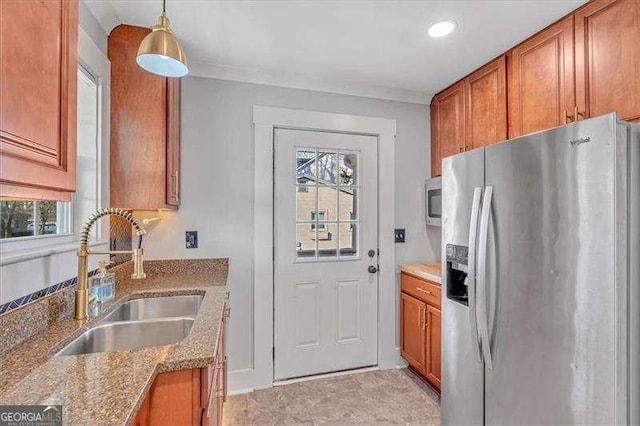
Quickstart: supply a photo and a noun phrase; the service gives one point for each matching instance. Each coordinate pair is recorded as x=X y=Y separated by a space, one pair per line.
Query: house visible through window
x=318 y=216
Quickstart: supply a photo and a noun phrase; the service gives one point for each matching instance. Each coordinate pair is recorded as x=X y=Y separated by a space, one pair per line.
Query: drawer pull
x=423 y=290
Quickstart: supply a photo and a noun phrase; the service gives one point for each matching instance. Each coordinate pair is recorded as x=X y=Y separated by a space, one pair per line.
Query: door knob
x=372 y=269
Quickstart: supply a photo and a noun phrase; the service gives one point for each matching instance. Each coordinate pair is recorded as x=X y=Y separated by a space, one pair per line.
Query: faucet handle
x=138 y=265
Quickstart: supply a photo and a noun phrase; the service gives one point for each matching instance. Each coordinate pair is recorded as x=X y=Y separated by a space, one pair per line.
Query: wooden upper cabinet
x=145 y=128
x=448 y=135
x=541 y=83
x=486 y=104
x=38 y=101
x=412 y=332
x=608 y=58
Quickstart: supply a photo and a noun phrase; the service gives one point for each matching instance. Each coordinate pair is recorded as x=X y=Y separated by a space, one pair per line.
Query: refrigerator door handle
x=481 y=305
x=471 y=276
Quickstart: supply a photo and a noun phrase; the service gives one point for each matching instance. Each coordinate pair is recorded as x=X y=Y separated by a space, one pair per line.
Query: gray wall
x=217 y=183
x=92 y=27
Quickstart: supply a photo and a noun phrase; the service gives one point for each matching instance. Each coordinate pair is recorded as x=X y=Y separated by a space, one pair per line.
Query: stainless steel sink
x=157 y=307
x=118 y=336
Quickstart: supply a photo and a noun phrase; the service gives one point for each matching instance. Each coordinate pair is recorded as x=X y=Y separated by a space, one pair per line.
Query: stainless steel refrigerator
x=541 y=288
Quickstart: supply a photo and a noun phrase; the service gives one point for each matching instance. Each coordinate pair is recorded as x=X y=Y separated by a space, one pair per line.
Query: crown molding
x=305 y=82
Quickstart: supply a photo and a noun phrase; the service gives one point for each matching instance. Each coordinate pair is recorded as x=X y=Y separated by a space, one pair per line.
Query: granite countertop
x=431 y=271
x=109 y=387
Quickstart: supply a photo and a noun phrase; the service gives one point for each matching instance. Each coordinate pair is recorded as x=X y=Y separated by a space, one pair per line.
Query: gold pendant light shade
x=160 y=53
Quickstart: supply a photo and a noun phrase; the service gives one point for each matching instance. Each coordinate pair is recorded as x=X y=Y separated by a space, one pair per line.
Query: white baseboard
x=240 y=381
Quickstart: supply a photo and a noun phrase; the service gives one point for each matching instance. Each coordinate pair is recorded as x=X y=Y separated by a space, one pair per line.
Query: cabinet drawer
x=421 y=289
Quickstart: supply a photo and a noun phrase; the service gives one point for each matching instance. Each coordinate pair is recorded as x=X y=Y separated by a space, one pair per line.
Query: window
x=26 y=219
x=327 y=204
x=21 y=218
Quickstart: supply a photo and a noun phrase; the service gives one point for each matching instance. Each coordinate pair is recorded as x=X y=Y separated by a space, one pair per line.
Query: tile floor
x=368 y=398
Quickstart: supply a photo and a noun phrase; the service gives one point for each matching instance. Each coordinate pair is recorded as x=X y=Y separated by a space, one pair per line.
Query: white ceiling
x=366 y=48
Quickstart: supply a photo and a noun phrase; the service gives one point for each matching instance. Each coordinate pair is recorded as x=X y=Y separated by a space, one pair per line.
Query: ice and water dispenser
x=457 y=269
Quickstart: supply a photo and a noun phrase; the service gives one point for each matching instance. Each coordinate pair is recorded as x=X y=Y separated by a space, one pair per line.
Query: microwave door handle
x=481 y=306
x=471 y=276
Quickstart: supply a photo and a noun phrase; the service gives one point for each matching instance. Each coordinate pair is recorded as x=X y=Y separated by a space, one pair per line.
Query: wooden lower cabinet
x=433 y=328
x=412 y=331
x=188 y=397
x=420 y=327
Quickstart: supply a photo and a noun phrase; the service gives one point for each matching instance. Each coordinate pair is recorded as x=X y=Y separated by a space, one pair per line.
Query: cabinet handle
x=567 y=117
x=577 y=113
x=177 y=191
x=227 y=312
x=423 y=290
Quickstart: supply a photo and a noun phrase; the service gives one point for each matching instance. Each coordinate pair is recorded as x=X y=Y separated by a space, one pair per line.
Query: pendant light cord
x=164 y=4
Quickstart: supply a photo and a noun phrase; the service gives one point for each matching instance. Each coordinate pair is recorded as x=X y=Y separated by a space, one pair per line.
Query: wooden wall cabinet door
x=145 y=128
x=608 y=58
x=38 y=98
x=433 y=346
x=541 y=80
x=486 y=104
x=413 y=336
x=448 y=124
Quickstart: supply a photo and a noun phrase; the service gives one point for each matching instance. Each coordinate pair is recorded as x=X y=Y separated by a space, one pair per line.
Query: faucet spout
x=82 y=291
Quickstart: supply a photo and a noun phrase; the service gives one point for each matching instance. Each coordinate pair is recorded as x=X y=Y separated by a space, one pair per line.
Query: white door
x=326 y=215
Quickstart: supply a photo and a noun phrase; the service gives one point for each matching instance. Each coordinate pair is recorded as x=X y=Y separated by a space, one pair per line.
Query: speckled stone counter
x=108 y=388
x=429 y=271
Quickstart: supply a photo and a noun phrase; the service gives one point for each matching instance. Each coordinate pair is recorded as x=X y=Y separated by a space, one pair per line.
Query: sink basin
x=157 y=307
x=118 y=336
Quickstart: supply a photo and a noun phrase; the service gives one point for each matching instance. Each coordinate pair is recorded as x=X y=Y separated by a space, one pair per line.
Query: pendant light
x=160 y=53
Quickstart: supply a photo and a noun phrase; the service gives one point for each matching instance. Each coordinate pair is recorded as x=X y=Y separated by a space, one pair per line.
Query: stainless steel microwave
x=433 y=201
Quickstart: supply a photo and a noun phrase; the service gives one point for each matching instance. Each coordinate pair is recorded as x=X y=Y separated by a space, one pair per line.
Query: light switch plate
x=191 y=239
x=399 y=235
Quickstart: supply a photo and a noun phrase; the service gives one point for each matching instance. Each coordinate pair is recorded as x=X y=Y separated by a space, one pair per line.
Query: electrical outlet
x=399 y=235
x=191 y=239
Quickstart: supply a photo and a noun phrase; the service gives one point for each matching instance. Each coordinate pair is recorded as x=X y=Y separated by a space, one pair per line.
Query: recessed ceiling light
x=442 y=28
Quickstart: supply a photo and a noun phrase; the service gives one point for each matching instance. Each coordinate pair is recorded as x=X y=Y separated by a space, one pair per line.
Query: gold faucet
x=83 y=297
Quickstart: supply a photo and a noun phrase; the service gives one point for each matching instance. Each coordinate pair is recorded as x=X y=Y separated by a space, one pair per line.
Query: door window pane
x=306 y=201
x=327 y=239
x=327 y=168
x=348 y=198
x=348 y=239
x=328 y=201
x=306 y=240
x=348 y=164
x=305 y=166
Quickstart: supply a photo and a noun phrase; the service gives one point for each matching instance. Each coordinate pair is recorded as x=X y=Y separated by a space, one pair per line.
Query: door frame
x=265 y=120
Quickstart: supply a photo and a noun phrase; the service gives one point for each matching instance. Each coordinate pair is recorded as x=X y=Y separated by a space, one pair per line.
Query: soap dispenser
x=103 y=285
